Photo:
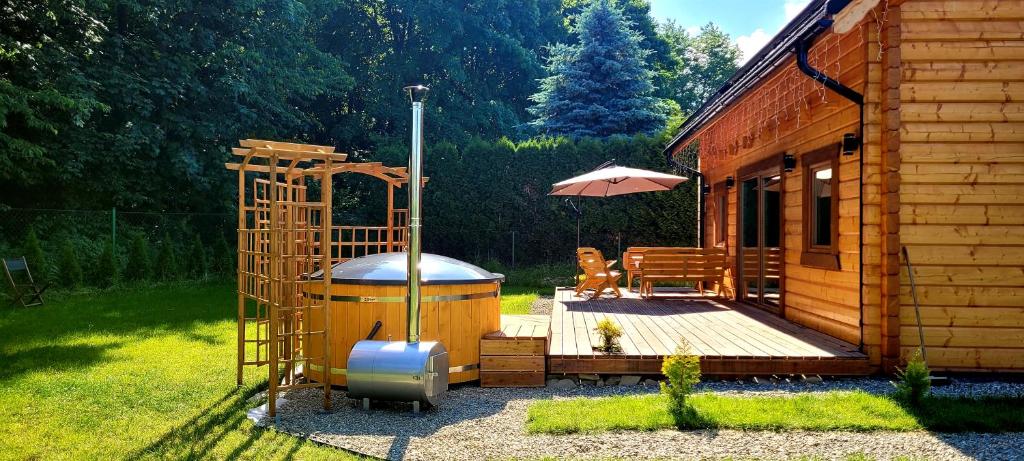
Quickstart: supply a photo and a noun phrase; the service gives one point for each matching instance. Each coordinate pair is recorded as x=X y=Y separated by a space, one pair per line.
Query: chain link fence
x=60 y=236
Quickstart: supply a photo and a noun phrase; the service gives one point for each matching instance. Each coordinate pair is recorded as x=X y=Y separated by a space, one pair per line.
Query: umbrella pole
x=579 y=215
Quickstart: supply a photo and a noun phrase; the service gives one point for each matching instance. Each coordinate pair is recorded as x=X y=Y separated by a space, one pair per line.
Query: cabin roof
x=758 y=67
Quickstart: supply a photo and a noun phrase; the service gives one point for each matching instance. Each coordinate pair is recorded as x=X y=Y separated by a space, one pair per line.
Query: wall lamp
x=788 y=162
x=729 y=182
x=850 y=143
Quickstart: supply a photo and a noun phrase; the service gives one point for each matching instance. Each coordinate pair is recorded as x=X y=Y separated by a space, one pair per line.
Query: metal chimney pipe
x=417 y=93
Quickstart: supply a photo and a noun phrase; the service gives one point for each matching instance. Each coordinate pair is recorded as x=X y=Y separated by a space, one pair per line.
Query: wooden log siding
x=943 y=174
x=961 y=210
x=827 y=301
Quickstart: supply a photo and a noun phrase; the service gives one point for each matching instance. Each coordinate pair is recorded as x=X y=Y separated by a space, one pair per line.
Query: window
x=821 y=208
x=721 y=214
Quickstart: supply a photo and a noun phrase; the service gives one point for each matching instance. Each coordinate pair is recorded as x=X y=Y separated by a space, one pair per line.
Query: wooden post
x=238 y=272
x=274 y=298
x=391 y=217
x=326 y=196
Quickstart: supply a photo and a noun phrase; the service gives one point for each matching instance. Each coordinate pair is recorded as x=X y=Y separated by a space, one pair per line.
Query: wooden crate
x=515 y=355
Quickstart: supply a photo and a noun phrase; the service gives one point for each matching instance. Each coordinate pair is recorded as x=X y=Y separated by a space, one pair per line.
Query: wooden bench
x=633 y=255
x=697 y=265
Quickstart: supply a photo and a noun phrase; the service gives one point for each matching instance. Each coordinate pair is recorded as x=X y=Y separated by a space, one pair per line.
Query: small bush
x=682 y=369
x=104 y=274
x=197 y=259
x=610 y=333
x=223 y=260
x=68 y=267
x=138 y=267
x=166 y=265
x=32 y=250
x=914 y=380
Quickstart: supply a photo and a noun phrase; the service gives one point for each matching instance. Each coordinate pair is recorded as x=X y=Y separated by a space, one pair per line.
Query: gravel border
x=477 y=423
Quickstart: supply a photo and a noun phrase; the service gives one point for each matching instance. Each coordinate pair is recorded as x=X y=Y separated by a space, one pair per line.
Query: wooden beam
x=284 y=145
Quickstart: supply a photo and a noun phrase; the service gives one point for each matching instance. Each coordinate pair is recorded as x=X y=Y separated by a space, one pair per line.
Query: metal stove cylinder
x=397 y=370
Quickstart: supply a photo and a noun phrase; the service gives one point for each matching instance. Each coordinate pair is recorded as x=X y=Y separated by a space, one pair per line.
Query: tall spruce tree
x=601 y=86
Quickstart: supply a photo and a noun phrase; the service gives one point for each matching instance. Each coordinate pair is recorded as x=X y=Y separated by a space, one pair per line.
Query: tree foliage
x=705 y=63
x=602 y=86
x=133 y=104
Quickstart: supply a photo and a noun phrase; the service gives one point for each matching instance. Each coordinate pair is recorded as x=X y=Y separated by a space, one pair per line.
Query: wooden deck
x=731 y=338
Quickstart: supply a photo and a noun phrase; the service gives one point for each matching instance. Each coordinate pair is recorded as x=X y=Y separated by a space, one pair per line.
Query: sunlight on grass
x=137 y=374
x=852 y=411
x=517 y=300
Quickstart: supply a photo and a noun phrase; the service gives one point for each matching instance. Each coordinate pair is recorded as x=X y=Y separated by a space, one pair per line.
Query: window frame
x=720 y=192
x=820 y=256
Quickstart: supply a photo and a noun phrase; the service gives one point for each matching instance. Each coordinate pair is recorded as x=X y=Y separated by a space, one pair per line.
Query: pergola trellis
x=284 y=228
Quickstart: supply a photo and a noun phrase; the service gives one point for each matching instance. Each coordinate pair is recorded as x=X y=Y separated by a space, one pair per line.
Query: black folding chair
x=22 y=284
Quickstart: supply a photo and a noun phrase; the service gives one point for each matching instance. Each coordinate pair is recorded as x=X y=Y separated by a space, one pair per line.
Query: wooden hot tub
x=460 y=304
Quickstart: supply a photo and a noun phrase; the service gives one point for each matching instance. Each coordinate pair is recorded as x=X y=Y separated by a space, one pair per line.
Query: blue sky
x=750 y=23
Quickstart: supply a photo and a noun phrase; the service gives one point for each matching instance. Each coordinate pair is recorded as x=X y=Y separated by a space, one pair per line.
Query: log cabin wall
x=811 y=118
x=961 y=184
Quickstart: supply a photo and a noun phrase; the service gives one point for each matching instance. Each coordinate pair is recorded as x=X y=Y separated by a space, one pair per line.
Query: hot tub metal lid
x=390 y=269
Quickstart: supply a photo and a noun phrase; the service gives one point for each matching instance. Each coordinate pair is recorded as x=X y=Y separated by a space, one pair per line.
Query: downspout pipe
x=701 y=199
x=801 y=49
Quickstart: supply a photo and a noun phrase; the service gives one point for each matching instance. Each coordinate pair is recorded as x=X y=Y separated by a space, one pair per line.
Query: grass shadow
x=141 y=311
x=59 y=357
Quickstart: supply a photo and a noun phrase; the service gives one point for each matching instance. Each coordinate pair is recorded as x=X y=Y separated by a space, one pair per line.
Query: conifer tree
x=33 y=252
x=197 y=258
x=601 y=86
x=70 y=270
x=166 y=265
x=104 y=273
x=138 y=259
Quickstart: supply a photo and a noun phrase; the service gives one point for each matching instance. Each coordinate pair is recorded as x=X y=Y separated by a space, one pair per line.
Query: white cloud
x=752 y=43
x=693 y=30
x=794 y=7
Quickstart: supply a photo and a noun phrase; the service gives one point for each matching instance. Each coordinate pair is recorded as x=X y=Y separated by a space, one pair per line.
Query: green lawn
x=853 y=411
x=518 y=300
x=146 y=373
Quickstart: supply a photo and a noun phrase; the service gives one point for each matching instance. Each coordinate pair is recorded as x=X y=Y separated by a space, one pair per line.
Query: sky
x=750 y=23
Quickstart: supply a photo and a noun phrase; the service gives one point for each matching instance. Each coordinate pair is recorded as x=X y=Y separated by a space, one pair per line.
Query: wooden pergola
x=284 y=227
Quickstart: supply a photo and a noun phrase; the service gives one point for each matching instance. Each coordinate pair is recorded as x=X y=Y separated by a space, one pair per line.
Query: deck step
x=515 y=356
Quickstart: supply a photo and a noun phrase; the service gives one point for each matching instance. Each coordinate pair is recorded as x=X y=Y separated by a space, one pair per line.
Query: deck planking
x=731 y=338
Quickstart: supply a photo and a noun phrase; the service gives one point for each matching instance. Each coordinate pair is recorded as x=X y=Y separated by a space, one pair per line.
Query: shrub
x=104 y=274
x=682 y=369
x=33 y=252
x=609 y=333
x=166 y=264
x=68 y=267
x=223 y=260
x=138 y=267
x=915 y=380
x=197 y=258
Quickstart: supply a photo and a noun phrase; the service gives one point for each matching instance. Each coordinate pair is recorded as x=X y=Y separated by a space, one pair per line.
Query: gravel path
x=476 y=423
x=542 y=305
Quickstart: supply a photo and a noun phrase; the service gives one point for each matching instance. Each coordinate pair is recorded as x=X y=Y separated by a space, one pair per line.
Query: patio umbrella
x=616 y=180
x=613 y=180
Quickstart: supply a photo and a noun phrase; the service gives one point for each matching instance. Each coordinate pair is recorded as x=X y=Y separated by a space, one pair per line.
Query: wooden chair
x=22 y=284
x=597 y=272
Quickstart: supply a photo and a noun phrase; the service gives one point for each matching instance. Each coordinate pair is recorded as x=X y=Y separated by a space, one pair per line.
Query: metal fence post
x=513 y=250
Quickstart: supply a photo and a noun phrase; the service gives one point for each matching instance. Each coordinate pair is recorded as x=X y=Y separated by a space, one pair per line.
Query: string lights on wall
x=782 y=104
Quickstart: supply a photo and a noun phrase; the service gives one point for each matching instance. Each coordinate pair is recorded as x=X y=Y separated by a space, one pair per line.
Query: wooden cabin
x=864 y=127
